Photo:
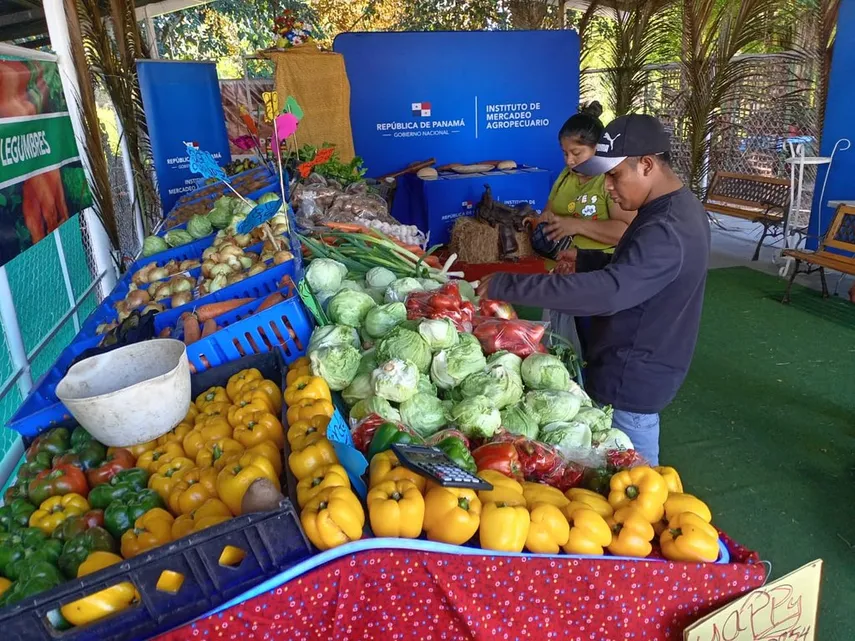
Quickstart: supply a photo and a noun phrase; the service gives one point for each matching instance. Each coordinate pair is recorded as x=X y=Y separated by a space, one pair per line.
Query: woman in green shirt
x=580 y=207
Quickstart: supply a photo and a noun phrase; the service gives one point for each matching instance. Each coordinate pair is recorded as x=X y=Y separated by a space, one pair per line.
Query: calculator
x=434 y=464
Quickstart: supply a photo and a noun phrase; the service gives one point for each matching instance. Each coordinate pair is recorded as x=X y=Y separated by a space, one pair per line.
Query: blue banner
x=182 y=104
x=460 y=97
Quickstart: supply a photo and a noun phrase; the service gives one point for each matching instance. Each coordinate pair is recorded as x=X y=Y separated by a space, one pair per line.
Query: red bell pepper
x=624 y=459
x=565 y=476
x=59 y=481
x=117 y=460
x=496 y=309
x=501 y=457
x=364 y=431
x=536 y=459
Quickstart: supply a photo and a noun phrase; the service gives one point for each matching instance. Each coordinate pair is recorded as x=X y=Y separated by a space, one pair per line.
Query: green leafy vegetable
x=396 y=380
x=336 y=364
x=476 y=417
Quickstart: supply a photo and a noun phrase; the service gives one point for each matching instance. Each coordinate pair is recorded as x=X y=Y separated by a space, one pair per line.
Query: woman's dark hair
x=585 y=126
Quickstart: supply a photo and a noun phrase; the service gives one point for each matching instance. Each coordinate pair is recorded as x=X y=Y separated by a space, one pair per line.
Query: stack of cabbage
x=427 y=375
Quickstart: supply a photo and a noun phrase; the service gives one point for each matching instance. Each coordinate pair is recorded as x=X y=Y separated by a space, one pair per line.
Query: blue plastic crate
x=185 y=252
x=271 y=185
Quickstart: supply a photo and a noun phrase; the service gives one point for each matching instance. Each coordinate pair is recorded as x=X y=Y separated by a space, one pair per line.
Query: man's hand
x=561 y=226
x=484 y=286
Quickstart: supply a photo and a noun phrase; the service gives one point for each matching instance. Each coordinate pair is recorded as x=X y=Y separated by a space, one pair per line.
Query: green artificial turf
x=764 y=429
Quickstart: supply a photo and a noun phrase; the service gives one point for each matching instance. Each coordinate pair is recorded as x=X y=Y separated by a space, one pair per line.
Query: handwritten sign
x=271 y=105
x=259 y=214
x=784 y=610
x=203 y=163
x=293 y=107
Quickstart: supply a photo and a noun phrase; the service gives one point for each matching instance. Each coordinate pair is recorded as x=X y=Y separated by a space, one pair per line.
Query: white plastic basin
x=131 y=395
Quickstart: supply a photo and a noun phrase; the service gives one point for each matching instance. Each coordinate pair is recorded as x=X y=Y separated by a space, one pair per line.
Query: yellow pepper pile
x=331 y=513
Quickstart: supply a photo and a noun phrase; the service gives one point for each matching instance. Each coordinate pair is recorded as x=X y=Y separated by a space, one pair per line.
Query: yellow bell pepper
x=385 y=466
x=586 y=499
x=539 y=493
x=589 y=533
x=54 y=510
x=214 y=429
x=5 y=584
x=192 y=490
x=677 y=503
x=689 y=538
x=303 y=361
x=333 y=517
x=631 y=533
x=294 y=374
x=137 y=450
x=104 y=603
x=452 y=514
x=305 y=431
x=268 y=450
x=497 y=480
x=306 y=461
x=192 y=413
x=505 y=489
x=211 y=512
x=176 y=434
x=307 y=387
x=549 y=530
x=234 y=479
x=168 y=475
x=396 y=508
x=237 y=381
x=152 y=529
x=258 y=426
x=641 y=488
x=264 y=392
x=672 y=478
x=153 y=459
x=211 y=410
x=323 y=477
x=504 y=527
x=215 y=394
x=215 y=453
x=308 y=408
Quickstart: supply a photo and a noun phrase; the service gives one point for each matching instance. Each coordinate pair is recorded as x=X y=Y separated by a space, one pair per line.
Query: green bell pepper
x=55 y=441
x=456 y=450
x=27 y=545
x=77 y=524
x=15 y=515
x=80 y=436
x=17 y=491
x=41 y=462
x=75 y=550
x=387 y=435
x=120 y=515
x=85 y=455
x=125 y=482
x=34 y=578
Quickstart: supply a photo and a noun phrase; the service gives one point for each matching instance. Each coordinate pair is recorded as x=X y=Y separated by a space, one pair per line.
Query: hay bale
x=477 y=242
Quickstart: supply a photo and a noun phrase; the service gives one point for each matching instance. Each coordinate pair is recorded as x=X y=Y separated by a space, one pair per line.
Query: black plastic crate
x=271 y=541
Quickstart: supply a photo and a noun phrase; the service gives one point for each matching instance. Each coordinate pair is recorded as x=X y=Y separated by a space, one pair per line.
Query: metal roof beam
x=21 y=17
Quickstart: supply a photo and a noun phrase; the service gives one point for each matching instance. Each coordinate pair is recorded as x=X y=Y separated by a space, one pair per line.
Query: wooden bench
x=840 y=236
x=760 y=199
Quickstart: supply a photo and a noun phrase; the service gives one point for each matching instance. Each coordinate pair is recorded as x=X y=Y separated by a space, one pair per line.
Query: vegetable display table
x=368 y=589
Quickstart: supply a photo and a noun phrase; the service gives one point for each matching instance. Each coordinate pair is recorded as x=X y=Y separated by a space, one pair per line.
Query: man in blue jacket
x=645 y=300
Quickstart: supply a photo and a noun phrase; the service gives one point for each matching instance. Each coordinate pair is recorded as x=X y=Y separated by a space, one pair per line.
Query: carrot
x=212 y=310
x=192 y=331
x=209 y=327
x=346 y=227
x=270 y=301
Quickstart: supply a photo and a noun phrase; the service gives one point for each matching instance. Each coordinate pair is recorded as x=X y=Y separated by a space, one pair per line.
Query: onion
x=221 y=269
x=234 y=263
x=179 y=299
x=218 y=283
x=245 y=262
x=153 y=307
x=188 y=265
x=253 y=256
x=235 y=278
x=137 y=297
x=123 y=307
x=282 y=257
x=206 y=268
x=280 y=229
x=230 y=250
x=243 y=240
x=157 y=274
x=210 y=251
x=182 y=285
x=163 y=292
x=258 y=268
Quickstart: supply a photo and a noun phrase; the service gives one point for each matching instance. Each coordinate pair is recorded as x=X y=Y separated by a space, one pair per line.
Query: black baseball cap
x=628 y=136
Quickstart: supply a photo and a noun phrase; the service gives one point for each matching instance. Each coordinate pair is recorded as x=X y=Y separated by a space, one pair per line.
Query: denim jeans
x=642 y=430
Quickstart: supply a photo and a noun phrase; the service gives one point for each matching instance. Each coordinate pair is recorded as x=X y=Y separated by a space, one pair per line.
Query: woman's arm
x=608 y=232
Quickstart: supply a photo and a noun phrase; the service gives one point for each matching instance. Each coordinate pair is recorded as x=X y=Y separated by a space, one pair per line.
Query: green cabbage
x=450 y=366
x=401 y=288
x=551 y=406
x=439 y=334
x=599 y=420
x=268 y=197
x=243 y=207
x=468 y=339
x=374 y=405
x=426 y=386
x=467 y=292
x=352 y=285
x=424 y=413
x=336 y=364
x=220 y=217
x=177 y=238
x=380 y=278
x=476 y=417
x=611 y=439
x=369 y=362
x=199 y=226
x=349 y=307
x=517 y=419
x=429 y=284
x=500 y=385
x=405 y=344
x=153 y=245
x=566 y=436
x=359 y=389
x=383 y=319
x=395 y=380
x=545 y=372
x=330 y=335
x=325 y=274
x=507 y=359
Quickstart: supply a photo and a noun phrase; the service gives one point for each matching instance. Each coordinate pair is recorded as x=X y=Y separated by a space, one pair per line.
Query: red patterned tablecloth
x=397 y=595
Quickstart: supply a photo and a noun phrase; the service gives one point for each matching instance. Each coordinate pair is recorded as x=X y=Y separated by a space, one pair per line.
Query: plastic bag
x=445 y=302
x=519 y=337
x=444 y=434
x=308 y=208
x=363 y=431
x=496 y=309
